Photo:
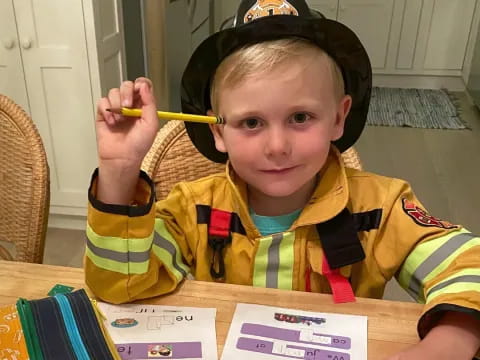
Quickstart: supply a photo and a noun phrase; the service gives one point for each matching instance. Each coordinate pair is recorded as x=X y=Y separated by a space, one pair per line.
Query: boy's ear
x=343 y=109
x=217 y=131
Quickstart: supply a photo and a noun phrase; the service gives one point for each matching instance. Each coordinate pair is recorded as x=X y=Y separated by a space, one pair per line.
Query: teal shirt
x=274 y=224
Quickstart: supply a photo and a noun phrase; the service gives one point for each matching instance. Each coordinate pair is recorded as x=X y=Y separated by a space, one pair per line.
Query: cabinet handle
x=27 y=43
x=9 y=43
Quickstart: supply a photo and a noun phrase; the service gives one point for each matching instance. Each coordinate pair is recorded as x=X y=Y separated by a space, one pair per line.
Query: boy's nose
x=278 y=143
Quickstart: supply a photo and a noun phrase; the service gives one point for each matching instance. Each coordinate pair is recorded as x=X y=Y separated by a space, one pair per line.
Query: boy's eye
x=300 y=118
x=251 y=123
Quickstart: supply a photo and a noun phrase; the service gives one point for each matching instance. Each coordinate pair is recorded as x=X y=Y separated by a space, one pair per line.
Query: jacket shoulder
x=205 y=189
x=376 y=187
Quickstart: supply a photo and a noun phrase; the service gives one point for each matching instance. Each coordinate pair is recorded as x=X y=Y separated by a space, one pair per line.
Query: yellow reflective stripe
x=287 y=258
x=261 y=262
x=125 y=256
x=432 y=257
x=274 y=261
x=418 y=255
x=131 y=256
x=166 y=259
x=455 y=288
x=433 y=272
x=166 y=248
x=119 y=244
x=465 y=275
x=116 y=266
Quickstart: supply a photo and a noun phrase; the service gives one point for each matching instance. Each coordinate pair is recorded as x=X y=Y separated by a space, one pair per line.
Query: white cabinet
x=408 y=37
x=328 y=8
x=449 y=30
x=371 y=20
x=433 y=36
x=12 y=80
x=57 y=58
x=408 y=33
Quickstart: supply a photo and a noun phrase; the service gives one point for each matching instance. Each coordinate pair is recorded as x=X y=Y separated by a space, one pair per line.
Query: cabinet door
x=201 y=21
x=224 y=10
x=328 y=8
x=12 y=81
x=371 y=21
x=410 y=34
x=448 y=34
x=54 y=52
x=105 y=22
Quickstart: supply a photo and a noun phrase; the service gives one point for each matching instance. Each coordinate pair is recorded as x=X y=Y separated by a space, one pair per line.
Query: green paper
x=60 y=289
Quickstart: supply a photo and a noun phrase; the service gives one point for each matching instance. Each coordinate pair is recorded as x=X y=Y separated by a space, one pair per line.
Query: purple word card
x=167 y=350
x=305 y=336
x=288 y=351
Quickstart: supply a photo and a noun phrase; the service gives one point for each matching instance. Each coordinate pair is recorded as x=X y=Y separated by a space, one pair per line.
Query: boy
x=286 y=213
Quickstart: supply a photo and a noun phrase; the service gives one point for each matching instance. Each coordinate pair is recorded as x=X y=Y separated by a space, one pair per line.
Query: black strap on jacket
x=339 y=236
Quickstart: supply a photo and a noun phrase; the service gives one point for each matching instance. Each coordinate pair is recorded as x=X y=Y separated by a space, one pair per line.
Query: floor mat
x=417 y=108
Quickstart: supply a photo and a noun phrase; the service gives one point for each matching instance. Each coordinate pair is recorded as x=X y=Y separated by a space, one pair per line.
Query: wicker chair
x=24 y=185
x=173 y=158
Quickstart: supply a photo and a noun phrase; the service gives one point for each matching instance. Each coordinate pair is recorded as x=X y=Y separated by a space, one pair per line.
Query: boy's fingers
x=102 y=114
x=146 y=94
x=126 y=94
x=115 y=103
x=144 y=87
x=149 y=108
x=114 y=98
x=141 y=80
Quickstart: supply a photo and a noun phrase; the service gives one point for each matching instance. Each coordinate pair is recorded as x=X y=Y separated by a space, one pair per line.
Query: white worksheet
x=161 y=332
x=269 y=333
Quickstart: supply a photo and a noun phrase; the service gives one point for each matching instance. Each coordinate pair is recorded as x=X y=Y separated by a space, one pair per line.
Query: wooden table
x=391 y=325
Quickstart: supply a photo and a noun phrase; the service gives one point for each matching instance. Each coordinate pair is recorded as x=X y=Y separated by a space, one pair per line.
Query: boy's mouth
x=279 y=171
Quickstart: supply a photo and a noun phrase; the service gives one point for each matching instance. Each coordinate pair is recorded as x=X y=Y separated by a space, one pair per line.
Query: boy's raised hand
x=121 y=139
x=123 y=142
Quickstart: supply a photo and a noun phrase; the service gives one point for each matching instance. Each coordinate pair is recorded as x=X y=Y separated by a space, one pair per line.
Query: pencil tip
x=110 y=110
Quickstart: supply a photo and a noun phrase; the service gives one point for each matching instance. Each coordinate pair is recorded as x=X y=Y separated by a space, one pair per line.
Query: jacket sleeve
x=435 y=261
x=137 y=251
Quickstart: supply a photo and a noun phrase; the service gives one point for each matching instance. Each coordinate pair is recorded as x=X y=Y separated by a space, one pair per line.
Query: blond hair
x=259 y=58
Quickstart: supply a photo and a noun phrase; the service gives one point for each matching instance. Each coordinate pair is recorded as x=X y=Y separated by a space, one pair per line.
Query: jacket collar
x=328 y=200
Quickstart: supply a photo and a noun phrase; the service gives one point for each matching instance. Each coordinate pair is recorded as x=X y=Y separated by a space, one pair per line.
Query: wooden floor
x=443 y=167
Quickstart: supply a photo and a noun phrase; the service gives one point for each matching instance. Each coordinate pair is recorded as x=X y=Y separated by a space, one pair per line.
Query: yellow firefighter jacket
x=370 y=227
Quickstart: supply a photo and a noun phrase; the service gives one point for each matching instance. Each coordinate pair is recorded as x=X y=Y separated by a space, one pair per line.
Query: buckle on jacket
x=217 y=265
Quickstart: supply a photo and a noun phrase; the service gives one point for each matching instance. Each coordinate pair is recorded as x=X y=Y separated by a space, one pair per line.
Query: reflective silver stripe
x=464 y=278
x=160 y=241
x=273 y=261
x=435 y=259
x=123 y=257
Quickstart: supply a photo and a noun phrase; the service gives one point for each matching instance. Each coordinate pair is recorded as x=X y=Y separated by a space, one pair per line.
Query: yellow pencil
x=171 y=116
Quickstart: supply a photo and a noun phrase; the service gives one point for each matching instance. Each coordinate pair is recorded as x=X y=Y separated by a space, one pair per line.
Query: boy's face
x=279 y=126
